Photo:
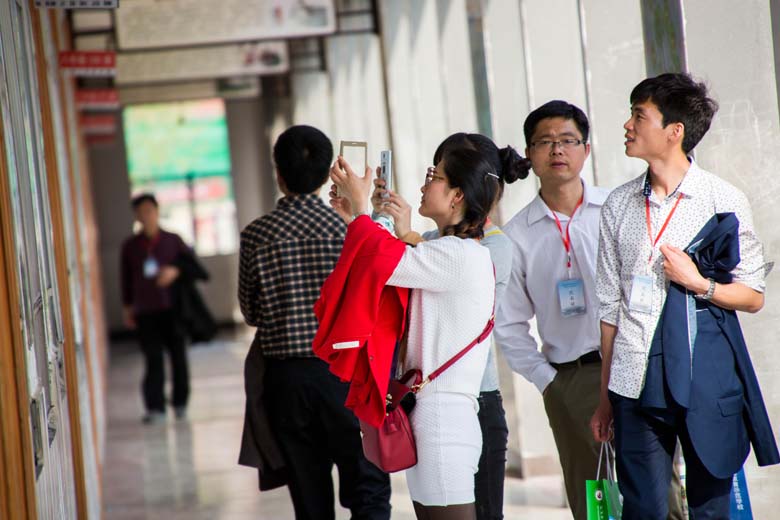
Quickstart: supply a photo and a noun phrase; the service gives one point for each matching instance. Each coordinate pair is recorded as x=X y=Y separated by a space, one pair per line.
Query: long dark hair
x=480 y=169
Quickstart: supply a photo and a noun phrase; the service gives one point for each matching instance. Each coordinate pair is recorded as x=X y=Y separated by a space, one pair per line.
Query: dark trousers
x=644 y=446
x=314 y=430
x=489 y=480
x=156 y=332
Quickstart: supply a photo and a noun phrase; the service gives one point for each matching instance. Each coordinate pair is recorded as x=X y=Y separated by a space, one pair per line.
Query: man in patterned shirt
x=285 y=257
x=645 y=224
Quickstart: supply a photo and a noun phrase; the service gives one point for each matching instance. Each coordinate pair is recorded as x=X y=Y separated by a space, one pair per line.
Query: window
x=180 y=152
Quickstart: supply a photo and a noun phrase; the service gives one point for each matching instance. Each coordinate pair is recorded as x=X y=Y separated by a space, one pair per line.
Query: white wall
x=614 y=53
x=460 y=112
x=509 y=83
x=730 y=46
x=430 y=91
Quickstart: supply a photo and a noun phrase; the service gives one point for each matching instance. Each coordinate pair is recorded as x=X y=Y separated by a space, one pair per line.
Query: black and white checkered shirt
x=284 y=260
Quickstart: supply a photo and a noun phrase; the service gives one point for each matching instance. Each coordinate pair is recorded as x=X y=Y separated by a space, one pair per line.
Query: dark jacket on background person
x=189 y=307
x=258 y=444
x=718 y=389
x=139 y=291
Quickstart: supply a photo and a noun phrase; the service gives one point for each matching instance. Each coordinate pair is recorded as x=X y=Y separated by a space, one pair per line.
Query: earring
x=453 y=205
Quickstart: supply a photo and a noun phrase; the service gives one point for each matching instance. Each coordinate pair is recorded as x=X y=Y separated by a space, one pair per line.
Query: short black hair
x=143 y=197
x=302 y=155
x=680 y=99
x=556 y=108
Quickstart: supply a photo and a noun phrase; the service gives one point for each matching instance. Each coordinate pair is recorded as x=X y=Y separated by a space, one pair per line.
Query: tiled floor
x=187 y=469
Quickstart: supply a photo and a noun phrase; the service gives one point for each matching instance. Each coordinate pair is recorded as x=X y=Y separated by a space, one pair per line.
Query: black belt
x=590 y=357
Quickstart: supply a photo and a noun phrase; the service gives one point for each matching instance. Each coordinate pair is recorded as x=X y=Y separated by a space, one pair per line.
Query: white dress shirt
x=539 y=263
x=625 y=247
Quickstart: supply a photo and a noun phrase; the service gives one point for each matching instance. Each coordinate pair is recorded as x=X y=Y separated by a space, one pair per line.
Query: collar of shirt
x=539 y=209
x=690 y=186
x=307 y=199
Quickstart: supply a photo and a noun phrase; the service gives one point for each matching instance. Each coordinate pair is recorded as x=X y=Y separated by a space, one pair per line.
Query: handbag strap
x=479 y=339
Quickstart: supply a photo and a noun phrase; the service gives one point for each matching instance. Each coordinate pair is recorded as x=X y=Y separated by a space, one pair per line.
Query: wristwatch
x=709 y=293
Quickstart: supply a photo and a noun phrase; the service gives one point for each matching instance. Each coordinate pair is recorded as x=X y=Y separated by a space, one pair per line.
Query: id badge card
x=151 y=268
x=641 y=294
x=571 y=297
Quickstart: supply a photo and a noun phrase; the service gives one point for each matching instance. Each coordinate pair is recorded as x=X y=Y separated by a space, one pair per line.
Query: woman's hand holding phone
x=401 y=211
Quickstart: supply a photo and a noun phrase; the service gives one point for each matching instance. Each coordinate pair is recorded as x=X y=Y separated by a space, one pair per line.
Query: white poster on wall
x=227 y=88
x=220 y=61
x=149 y=24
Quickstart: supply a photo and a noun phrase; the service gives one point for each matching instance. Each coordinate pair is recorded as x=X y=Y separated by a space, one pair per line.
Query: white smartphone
x=386 y=170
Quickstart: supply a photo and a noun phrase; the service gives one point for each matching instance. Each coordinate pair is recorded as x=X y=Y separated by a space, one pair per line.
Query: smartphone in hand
x=386 y=171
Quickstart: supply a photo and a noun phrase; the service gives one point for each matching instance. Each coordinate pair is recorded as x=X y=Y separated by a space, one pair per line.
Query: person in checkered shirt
x=285 y=256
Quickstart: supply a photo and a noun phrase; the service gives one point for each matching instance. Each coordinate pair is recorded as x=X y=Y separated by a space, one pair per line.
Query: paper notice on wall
x=152 y=24
x=219 y=61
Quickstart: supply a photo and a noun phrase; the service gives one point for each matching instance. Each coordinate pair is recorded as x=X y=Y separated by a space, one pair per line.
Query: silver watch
x=709 y=293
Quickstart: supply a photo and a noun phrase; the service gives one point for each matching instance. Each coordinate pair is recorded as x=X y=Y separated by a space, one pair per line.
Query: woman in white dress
x=451 y=302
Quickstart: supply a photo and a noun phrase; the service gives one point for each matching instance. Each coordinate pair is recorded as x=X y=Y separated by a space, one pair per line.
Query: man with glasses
x=555 y=240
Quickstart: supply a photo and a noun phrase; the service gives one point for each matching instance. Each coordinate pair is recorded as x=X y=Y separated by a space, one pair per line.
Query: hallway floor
x=186 y=469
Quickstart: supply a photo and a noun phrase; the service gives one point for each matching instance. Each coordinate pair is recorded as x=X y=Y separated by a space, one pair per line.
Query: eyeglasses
x=430 y=175
x=566 y=144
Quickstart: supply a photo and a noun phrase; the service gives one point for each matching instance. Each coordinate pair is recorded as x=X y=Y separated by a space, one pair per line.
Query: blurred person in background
x=148 y=272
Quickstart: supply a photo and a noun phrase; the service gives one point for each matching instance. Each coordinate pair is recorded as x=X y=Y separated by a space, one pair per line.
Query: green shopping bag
x=604 y=500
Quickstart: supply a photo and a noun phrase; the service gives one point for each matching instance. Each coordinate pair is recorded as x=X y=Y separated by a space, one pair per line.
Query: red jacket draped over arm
x=360 y=318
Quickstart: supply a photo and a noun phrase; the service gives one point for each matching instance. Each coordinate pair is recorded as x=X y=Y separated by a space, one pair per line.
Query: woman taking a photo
x=451 y=302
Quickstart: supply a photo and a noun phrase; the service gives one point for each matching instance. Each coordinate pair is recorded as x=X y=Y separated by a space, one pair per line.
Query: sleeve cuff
x=543 y=376
x=412 y=238
x=608 y=315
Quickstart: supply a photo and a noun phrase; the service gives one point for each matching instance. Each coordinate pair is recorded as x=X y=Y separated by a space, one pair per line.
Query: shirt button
x=370 y=358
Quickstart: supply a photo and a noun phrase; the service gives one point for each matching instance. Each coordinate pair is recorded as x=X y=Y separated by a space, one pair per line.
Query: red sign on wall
x=98 y=99
x=88 y=63
x=102 y=124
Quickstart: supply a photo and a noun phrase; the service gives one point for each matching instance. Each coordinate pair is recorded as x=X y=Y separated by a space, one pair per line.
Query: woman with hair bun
x=455 y=291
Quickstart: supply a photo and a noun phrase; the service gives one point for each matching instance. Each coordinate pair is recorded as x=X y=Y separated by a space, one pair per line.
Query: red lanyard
x=566 y=239
x=663 y=228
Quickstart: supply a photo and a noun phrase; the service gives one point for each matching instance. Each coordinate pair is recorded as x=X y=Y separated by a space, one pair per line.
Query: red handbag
x=391 y=446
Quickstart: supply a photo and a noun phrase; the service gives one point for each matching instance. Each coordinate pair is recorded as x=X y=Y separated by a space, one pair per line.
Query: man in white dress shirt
x=645 y=225
x=555 y=239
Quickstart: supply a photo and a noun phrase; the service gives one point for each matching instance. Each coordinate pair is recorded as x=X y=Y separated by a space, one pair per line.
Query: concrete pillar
x=505 y=60
x=418 y=113
x=556 y=67
x=614 y=54
x=357 y=92
x=730 y=46
x=455 y=66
